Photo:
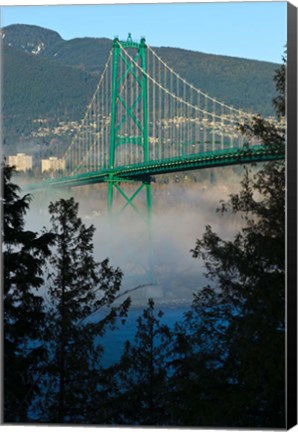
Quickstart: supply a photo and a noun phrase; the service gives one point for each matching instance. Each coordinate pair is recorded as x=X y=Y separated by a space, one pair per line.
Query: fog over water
x=181 y=210
x=182 y=206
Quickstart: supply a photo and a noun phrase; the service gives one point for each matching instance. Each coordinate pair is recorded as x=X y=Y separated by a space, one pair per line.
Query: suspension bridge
x=144 y=120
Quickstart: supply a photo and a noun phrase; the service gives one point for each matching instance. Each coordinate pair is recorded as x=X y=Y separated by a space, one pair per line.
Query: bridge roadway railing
x=144 y=171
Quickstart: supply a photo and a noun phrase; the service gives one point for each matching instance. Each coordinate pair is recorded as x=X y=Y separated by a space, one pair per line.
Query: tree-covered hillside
x=36 y=88
x=88 y=54
x=84 y=53
x=46 y=77
x=242 y=83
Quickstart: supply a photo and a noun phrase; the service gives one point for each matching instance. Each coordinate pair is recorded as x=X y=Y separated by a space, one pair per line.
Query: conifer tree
x=79 y=287
x=24 y=256
x=244 y=304
x=196 y=387
x=141 y=376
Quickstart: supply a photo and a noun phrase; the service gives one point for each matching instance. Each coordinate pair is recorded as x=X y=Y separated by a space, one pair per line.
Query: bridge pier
x=140 y=248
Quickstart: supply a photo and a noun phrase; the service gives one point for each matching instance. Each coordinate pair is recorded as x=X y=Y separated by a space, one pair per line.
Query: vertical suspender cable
x=213 y=126
x=222 y=127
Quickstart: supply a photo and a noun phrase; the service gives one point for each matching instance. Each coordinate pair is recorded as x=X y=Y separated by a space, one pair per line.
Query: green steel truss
x=121 y=113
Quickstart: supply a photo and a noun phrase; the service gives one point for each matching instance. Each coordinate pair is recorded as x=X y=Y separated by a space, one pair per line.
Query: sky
x=254 y=30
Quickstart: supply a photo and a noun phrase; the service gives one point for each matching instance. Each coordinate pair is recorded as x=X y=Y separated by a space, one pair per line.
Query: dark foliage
x=247 y=296
x=141 y=376
x=24 y=256
x=79 y=289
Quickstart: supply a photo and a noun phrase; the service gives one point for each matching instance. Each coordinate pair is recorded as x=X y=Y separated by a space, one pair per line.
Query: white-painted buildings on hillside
x=21 y=161
x=52 y=164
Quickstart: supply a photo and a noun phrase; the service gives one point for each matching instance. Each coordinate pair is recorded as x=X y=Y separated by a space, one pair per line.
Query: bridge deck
x=143 y=172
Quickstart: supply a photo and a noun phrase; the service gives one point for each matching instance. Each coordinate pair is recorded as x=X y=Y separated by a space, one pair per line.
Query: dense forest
x=222 y=365
x=26 y=97
x=54 y=79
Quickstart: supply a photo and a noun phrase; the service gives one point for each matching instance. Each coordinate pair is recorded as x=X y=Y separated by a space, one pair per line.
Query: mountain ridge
x=74 y=66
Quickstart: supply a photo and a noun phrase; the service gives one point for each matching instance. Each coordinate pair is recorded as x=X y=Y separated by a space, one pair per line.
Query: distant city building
x=21 y=161
x=52 y=164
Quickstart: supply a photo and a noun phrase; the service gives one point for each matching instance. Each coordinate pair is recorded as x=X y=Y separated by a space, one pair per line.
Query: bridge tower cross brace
x=139 y=138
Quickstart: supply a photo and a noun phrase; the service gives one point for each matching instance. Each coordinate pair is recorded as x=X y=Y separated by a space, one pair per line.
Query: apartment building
x=21 y=161
x=52 y=164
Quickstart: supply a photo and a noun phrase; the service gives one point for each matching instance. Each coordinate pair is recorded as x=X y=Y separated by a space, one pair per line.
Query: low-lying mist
x=181 y=210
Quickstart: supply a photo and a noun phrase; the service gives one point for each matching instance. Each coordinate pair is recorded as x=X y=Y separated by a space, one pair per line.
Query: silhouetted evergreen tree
x=24 y=256
x=140 y=378
x=196 y=385
x=79 y=287
x=242 y=311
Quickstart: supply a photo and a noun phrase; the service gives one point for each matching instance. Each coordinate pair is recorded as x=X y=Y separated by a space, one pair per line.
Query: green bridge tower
x=130 y=114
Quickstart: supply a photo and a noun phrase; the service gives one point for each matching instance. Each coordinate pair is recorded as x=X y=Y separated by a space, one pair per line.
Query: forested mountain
x=84 y=53
x=242 y=83
x=28 y=38
x=46 y=77
x=37 y=88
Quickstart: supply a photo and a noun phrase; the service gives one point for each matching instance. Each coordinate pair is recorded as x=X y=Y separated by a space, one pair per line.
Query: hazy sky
x=255 y=30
